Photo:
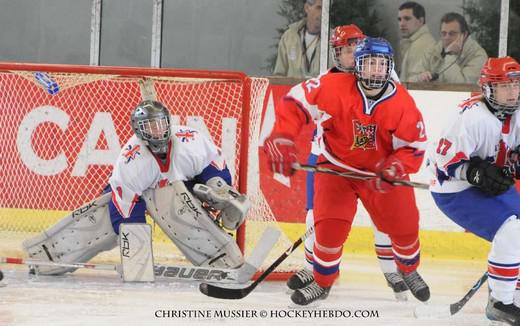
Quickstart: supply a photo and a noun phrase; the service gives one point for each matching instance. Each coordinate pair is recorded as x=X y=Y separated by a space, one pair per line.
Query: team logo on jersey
x=468 y=104
x=185 y=135
x=364 y=136
x=131 y=152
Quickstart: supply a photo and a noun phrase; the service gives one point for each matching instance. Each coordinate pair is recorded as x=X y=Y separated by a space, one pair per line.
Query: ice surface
x=99 y=298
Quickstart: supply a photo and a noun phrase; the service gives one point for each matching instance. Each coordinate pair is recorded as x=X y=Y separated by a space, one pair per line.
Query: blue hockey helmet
x=374 y=59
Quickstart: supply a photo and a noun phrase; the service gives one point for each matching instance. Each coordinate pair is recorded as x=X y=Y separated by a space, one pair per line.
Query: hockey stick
x=216 y=291
x=425 y=311
x=313 y=168
x=186 y=273
x=36 y=262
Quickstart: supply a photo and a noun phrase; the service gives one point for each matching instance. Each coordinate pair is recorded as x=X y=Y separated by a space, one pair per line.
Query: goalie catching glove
x=233 y=206
x=485 y=175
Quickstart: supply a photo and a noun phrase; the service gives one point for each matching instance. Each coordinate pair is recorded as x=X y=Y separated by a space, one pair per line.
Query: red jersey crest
x=364 y=136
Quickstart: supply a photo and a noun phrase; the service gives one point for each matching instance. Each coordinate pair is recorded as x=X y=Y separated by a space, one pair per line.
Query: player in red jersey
x=368 y=125
x=343 y=43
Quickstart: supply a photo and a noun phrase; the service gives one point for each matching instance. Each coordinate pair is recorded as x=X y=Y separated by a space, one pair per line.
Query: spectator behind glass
x=299 y=47
x=416 y=38
x=456 y=58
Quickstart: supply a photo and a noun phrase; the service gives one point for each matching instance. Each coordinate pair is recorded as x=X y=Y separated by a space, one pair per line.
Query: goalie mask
x=344 y=40
x=500 y=83
x=374 y=59
x=151 y=123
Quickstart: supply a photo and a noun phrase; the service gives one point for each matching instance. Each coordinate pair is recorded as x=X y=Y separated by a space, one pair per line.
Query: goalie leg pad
x=76 y=238
x=181 y=216
x=136 y=252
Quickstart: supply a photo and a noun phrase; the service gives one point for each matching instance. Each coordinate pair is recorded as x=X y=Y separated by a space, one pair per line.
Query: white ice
x=99 y=298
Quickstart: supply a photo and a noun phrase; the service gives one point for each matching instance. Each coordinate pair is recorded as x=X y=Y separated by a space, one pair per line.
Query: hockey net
x=63 y=127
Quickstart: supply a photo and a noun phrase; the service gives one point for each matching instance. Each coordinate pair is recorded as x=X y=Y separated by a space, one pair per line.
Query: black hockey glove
x=488 y=177
x=514 y=158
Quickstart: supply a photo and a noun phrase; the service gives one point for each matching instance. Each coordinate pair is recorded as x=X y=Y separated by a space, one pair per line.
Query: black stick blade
x=216 y=291
x=457 y=306
x=223 y=293
x=445 y=311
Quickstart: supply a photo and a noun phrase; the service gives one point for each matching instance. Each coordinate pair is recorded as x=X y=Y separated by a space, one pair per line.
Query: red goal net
x=63 y=126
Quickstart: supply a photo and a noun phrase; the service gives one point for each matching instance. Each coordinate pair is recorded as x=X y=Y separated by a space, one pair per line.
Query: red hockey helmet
x=345 y=35
x=501 y=72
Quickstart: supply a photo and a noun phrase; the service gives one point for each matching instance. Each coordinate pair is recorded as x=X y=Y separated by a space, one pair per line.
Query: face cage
x=502 y=110
x=336 y=54
x=156 y=132
x=362 y=69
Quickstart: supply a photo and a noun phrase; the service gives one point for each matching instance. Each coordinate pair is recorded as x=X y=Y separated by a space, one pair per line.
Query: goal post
x=63 y=127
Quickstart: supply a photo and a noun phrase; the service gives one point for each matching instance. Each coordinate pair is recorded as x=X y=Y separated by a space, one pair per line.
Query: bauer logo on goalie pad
x=190 y=273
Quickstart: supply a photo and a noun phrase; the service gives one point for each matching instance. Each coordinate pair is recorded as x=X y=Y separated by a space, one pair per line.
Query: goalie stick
x=186 y=273
x=219 y=292
x=425 y=311
x=313 y=168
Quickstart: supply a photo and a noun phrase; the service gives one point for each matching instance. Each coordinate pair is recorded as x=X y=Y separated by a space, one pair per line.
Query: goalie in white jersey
x=475 y=162
x=173 y=172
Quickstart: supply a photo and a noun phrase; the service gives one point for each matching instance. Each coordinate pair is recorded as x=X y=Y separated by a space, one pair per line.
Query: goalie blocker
x=87 y=231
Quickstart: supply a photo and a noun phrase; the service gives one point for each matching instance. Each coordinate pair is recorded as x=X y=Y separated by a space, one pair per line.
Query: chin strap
x=378 y=95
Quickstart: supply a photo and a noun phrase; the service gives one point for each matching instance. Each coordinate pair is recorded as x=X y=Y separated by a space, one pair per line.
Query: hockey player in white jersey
x=475 y=161
x=173 y=172
x=343 y=42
